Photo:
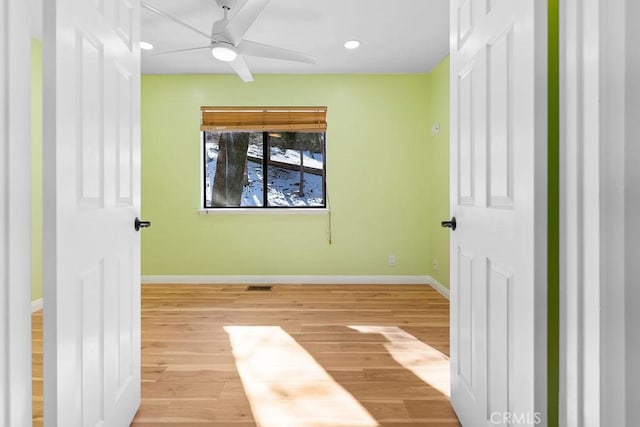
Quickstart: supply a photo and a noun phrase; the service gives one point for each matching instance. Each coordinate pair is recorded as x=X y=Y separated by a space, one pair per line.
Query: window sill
x=259 y=211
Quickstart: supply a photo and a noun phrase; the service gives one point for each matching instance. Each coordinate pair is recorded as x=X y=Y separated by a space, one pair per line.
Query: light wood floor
x=309 y=355
x=36 y=360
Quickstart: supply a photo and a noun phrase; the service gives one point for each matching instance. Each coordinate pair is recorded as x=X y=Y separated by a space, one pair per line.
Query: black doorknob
x=449 y=224
x=137 y=224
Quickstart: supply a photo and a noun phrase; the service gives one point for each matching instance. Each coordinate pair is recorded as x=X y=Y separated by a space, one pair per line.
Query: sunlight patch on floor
x=427 y=363
x=285 y=385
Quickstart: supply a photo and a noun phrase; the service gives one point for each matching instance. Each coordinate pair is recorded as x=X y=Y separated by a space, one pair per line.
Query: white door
x=91 y=167
x=498 y=196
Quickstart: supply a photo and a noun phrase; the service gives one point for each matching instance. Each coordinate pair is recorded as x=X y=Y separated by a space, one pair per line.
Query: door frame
x=599 y=231
x=588 y=248
x=15 y=214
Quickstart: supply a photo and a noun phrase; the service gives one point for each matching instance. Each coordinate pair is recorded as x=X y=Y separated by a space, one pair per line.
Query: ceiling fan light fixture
x=224 y=52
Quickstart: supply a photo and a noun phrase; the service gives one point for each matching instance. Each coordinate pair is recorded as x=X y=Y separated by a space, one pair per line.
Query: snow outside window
x=247 y=169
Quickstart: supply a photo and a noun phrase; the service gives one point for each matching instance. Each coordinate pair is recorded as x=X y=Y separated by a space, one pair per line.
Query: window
x=264 y=157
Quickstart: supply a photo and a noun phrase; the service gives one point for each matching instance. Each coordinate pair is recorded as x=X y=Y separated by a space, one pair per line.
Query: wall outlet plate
x=435 y=129
x=392 y=260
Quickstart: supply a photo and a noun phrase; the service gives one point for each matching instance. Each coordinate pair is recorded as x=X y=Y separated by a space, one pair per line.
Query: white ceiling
x=401 y=36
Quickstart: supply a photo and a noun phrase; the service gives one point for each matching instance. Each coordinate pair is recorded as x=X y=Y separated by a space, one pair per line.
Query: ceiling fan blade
x=246 y=47
x=172 y=19
x=241 y=69
x=181 y=50
x=240 y=23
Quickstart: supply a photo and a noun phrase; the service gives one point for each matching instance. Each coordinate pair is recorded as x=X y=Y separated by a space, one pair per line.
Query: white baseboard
x=36 y=305
x=442 y=289
x=299 y=280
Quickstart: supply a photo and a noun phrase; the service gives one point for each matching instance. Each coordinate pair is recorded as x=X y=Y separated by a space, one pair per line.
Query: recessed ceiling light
x=146 y=46
x=352 y=44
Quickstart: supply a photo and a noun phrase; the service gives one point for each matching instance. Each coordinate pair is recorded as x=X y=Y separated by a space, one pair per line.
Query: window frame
x=265 y=165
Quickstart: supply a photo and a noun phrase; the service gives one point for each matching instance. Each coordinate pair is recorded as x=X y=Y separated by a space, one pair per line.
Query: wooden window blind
x=302 y=119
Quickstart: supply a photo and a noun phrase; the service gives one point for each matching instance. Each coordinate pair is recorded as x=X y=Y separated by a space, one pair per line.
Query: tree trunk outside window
x=230 y=168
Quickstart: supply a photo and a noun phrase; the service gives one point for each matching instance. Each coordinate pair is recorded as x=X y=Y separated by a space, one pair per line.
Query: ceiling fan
x=226 y=42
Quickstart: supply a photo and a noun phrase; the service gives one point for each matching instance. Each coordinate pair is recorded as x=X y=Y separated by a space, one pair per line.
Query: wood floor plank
x=365 y=351
x=36 y=370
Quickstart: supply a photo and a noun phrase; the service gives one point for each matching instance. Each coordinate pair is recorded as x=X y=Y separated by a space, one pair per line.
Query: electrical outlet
x=435 y=129
x=435 y=264
x=392 y=260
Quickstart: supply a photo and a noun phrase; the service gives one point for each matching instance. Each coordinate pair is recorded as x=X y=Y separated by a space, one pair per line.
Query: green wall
x=387 y=179
x=381 y=175
x=36 y=173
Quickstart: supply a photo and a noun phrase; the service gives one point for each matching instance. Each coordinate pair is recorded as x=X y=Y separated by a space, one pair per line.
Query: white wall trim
x=36 y=305
x=632 y=213
x=299 y=280
x=600 y=204
x=15 y=214
x=571 y=405
x=439 y=287
x=263 y=211
x=302 y=280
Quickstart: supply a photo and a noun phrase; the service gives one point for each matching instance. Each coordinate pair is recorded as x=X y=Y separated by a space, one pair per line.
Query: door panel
x=92 y=185
x=466 y=176
x=465 y=318
x=464 y=14
x=125 y=137
x=125 y=350
x=125 y=15
x=498 y=171
x=500 y=136
x=498 y=333
x=90 y=122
